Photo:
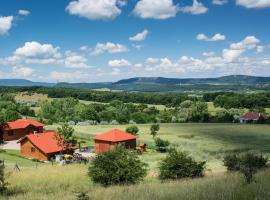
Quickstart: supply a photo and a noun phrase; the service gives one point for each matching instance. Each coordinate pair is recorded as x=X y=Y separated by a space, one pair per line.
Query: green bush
x=132 y=130
x=162 y=145
x=178 y=165
x=3 y=183
x=247 y=163
x=117 y=167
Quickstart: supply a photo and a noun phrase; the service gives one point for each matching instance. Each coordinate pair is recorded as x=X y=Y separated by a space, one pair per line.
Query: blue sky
x=107 y=40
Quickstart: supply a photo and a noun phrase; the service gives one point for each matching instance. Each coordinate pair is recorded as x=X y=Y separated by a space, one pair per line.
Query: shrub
x=3 y=183
x=117 y=167
x=82 y=196
x=132 y=130
x=178 y=165
x=154 y=129
x=247 y=163
x=162 y=145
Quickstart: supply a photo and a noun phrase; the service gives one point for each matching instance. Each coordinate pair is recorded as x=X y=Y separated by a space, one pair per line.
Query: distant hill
x=23 y=82
x=234 y=79
x=161 y=84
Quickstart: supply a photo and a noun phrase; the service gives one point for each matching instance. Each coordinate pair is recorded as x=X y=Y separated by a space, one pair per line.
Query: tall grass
x=59 y=182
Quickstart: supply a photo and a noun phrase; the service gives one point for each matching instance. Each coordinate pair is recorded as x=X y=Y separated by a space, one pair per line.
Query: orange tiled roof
x=22 y=123
x=115 y=135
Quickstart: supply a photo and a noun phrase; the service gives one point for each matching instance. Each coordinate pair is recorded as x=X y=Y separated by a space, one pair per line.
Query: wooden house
x=19 y=128
x=40 y=146
x=252 y=117
x=106 y=141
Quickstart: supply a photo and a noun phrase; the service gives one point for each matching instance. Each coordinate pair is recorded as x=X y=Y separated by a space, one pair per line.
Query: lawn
x=208 y=142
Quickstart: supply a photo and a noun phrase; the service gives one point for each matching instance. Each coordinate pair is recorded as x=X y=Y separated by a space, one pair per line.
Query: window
x=33 y=149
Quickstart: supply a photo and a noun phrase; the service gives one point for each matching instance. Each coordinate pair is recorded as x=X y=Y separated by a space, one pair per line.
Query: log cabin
x=19 y=128
x=106 y=141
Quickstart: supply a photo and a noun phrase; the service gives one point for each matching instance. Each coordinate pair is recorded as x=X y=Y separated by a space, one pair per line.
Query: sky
x=109 y=40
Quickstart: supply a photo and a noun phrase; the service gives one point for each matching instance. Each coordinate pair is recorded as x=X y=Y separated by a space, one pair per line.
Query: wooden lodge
x=19 y=128
x=106 y=141
x=40 y=146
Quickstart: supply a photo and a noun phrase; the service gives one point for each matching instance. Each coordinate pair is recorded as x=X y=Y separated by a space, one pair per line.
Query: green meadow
x=208 y=142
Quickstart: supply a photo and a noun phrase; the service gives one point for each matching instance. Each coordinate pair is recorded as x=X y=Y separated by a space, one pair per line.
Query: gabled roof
x=46 y=142
x=22 y=123
x=252 y=115
x=115 y=135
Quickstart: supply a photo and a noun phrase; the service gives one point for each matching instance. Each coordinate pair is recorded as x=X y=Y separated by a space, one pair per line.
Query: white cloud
x=237 y=49
x=219 y=2
x=253 y=3
x=37 y=50
x=94 y=10
x=260 y=49
x=216 y=37
x=24 y=12
x=139 y=36
x=67 y=76
x=109 y=47
x=119 y=63
x=151 y=60
x=136 y=46
x=22 y=71
x=138 y=65
x=155 y=9
x=208 y=54
x=197 y=8
x=73 y=60
x=5 y=24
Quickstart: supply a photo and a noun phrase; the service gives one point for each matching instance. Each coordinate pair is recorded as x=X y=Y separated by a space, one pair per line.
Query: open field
x=208 y=142
x=203 y=141
x=58 y=182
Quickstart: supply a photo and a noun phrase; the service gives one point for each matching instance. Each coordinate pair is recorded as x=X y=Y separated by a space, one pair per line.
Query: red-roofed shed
x=252 y=117
x=19 y=128
x=106 y=141
x=40 y=146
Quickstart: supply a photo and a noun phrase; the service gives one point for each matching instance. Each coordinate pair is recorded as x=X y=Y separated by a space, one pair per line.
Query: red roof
x=22 y=123
x=115 y=135
x=46 y=142
x=252 y=116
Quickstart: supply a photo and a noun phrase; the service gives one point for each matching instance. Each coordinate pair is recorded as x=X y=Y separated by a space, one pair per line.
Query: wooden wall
x=27 y=151
x=19 y=133
x=103 y=146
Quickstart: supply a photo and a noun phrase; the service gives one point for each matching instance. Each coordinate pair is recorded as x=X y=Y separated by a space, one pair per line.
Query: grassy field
x=208 y=142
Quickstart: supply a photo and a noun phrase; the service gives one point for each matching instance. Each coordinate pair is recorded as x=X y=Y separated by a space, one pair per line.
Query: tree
x=3 y=183
x=117 y=167
x=132 y=130
x=247 y=163
x=178 y=165
x=198 y=112
x=162 y=145
x=65 y=138
x=154 y=130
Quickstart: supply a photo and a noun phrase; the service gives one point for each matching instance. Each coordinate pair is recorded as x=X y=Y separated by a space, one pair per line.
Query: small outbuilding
x=252 y=117
x=106 y=141
x=19 y=128
x=40 y=146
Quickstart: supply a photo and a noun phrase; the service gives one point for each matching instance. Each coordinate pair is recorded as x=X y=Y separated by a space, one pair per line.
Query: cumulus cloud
x=119 y=63
x=155 y=9
x=219 y=2
x=216 y=37
x=109 y=47
x=237 y=49
x=22 y=71
x=73 y=60
x=35 y=49
x=196 y=8
x=139 y=36
x=253 y=3
x=5 y=24
x=95 y=10
x=24 y=12
x=136 y=46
